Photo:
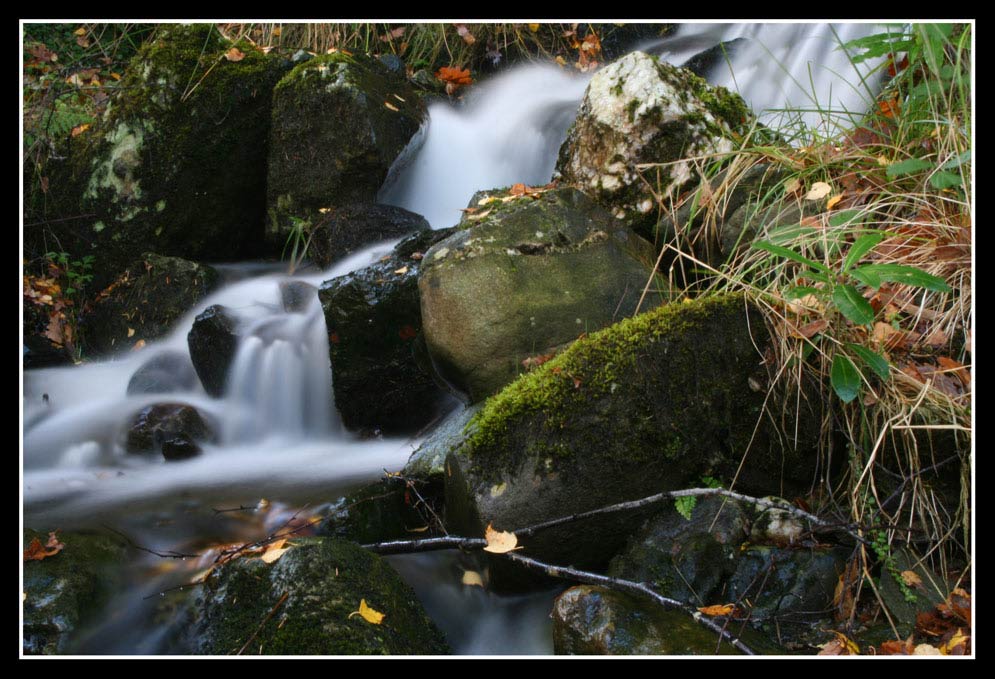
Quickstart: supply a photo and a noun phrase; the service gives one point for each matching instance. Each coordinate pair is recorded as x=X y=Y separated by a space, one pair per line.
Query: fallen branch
x=263 y=623
x=166 y=555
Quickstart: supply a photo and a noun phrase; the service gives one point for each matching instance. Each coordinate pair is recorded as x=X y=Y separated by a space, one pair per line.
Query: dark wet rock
x=429 y=459
x=324 y=580
x=296 y=296
x=385 y=510
x=714 y=58
x=316 y=162
x=342 y=230
x=145 y=302
x=37 y=348
x=63 y=591
x=591 y=620
x=170 y=428
x=213 y=340
x=523 y=278
x=381 y=374
x=650 y=404
x=641 y=110
x=905 y=603
x=177 y=163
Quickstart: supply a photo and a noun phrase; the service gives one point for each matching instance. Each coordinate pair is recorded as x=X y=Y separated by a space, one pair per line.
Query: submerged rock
x=642 y=110
x=312 y=591
x=62 y=591
x=213 y=340
x=368 y=115
x=296 y=296
x=169 y=428
x=649 y=404
x=166 y=372
x=145 y=302
x=345 y=229
x=591 y=620
x=381 y=374
x=177 y=163
x=527 y=277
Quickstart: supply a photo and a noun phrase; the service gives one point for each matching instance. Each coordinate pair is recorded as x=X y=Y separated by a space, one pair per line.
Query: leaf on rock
x=390 y=106
x=472 y=579
x=36 y=551
x=368 y=614
x=234 y=54
x=500 y=542
x=400 y=272
x=718 y=609
x=841 y=645
x=271 y=555
x=818 y=191
x=911 y=579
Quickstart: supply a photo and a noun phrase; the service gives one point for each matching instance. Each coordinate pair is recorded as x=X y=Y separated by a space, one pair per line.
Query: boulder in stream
x=169 y=428
x=213 y=340
x=526 y=275
x=167 y=372
x=343 y=230
x=312 y=594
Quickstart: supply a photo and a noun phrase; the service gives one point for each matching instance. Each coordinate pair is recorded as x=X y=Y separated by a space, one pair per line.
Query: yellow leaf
x=958 y=639
x=841 y=645
x=831 y=203
x=131 y=332
x=80 y=31
x=399 y=98
x=499 y=542
x=883 y=162
x=389 y=105
x=818 y=191
x=138 y=345
x=272 y=555
x=561 y=61
x=472 y=579
x=368 y=614
x=911 y=579
x=80 y=129
x=277 y=31
x=719 y=609
x=534 y=27
x=486 y=200
x=400 y=272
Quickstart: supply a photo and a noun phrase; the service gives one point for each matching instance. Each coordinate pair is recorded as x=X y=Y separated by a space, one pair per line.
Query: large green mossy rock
x=524 y=278
x=339 y=122
x=649 y=404
x=177 y=164
x=642 y=110
x=381 y=373
x=590 y=620
x=145 y=301
x=63 y=590
x=324 y=580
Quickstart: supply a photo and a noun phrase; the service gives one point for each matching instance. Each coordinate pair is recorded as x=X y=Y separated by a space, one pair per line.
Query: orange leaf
x=958 y=369
x=831 y=203
x=518 y=190
x=454 y=76
x=80 y=129
x=718 y=609
x=464 y=33
x=896 y=647
x=37 y=552
x=841 y=645
x=234 y=54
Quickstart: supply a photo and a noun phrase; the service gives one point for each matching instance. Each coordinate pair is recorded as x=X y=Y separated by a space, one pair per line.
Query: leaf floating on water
x=472 y=579
x=368 y=614
x=818 y=191
x=500 y=542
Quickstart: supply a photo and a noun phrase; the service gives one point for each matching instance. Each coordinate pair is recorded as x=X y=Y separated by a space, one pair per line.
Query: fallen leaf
x=138 y=345
x=400 y=272
x=36 y=551
x=806 y=304
x=792 y=185
x=389 y=105
x=957 y=644
x=811 y=329
x=561 y=61
x=368 y=614
x=455 y=77
x=271 y=555
x=841 y=645
x=911 y=579
x=718 y=609
x=518 y=190
x=818 y=191
x=417 y=256
x=957 y=367
x=464 y=33
x=417 y=530
x=478 y=217
x=896 y=647
x=472 y=579
x=234 y=54
x=831 y=203
x=80 y=31
x=926 y=649
x=486 y=199
x=131 y=332
x=79 y=129
x=499 y=542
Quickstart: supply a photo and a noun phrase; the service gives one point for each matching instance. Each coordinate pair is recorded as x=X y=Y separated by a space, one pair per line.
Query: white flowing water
x=278 y=434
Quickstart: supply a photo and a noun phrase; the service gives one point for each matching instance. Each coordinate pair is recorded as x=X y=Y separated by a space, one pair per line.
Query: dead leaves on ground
x=945 y=630
x=36 y=551
x=454 y=78
x=370 y=615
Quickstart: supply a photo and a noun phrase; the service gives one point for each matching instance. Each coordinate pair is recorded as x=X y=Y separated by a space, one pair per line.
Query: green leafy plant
x=686 y=504
x=298 y=241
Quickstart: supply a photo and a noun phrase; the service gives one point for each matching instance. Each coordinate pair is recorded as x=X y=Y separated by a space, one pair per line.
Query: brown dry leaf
x=368 y=614
x=883 y=332
x=390 y=106
x=896 y=647
x=499 y=542
x=417 y=530
x=937 y=338
x=818 y=191
x=561 y=61
x=54 y=329
x=832 y=202
x=454 y=77
x=536 y=361
x=811 y=329
x=841 y=645
x=805 y=305
x=464 y=33
x=36 y=551
x=234 y=54
x=911 y=579
x=957 y=367
x=518 y=190
x=718 y=609
x=793 y=185
x=472 y=579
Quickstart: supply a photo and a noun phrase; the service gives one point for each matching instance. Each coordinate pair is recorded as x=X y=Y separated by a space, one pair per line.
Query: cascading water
x=279 y=436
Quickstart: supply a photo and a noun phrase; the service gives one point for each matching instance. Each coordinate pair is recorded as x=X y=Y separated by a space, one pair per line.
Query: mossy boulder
x=526 y=277
x=144 y=302
x=339 y=122
x=324 y=580
x=591 y=620
x=381 y=374
x=177 y=163
x=642 y=110
x=429 y=460
x=64 y=590
x=213 y=341
x=649 y=404
x=343 y=230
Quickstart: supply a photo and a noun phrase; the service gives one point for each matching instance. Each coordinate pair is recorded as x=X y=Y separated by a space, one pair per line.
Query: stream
x=278 y=437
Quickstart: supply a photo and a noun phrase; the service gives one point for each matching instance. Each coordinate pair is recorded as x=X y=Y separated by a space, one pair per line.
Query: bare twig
x=166 y=555
x=265 y=620
x=411 y=483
